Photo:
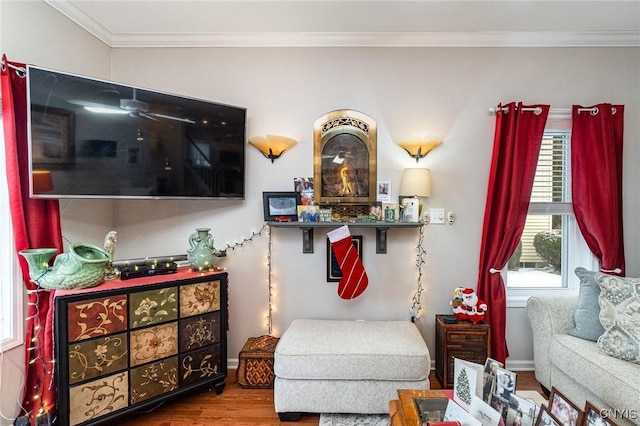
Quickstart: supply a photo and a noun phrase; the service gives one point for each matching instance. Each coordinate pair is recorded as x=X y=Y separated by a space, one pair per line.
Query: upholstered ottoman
x=334 y=366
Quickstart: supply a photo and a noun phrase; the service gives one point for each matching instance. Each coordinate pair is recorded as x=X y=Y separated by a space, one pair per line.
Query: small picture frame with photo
x=505 y=383
x=564 y=409
x=595 y=416
x=390 y=212
x=307 y=213
x=545 y=418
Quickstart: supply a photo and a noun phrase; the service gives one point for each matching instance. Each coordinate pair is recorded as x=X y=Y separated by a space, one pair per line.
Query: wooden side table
x=463 y=340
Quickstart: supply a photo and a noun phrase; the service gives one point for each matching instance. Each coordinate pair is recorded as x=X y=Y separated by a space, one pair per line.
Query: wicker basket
x=255 y=368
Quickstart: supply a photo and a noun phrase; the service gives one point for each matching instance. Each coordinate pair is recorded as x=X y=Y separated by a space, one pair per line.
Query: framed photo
x=563 y=409
x=545 y=418
x=391 y=212
x=505 y=383
x=280 y=205
x=333 y=267
x=307 y=213
x=594 y=417
x=384 y=192
x=52 y=139
x=410 y=209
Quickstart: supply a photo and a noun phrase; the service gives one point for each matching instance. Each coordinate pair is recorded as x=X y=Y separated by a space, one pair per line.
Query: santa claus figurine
x=474 y=308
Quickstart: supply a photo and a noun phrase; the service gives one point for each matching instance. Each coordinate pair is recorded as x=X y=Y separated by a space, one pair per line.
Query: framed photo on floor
x=333 y=267
x=564 y=409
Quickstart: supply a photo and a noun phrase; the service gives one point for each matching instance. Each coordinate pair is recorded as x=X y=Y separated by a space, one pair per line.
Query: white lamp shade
x=416 y=182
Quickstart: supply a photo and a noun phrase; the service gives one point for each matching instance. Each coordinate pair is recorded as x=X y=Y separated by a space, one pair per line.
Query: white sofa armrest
x=548 y=315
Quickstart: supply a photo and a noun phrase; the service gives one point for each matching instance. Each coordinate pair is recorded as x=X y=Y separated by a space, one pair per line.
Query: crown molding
x=381 y=39
x=348 y=39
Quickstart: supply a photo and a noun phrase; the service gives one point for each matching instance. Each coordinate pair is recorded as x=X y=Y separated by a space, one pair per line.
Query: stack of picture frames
x=487 y=395
x=561 y=411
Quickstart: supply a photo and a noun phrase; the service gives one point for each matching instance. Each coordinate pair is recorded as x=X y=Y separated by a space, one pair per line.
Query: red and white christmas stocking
x=354 y=278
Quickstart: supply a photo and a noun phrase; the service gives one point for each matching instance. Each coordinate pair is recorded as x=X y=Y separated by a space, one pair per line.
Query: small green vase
x=201 y=254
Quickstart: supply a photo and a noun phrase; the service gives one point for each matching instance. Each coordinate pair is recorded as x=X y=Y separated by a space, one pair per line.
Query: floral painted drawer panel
x=196 y=332
x=97 y=357
x=154 y=379
x=199 y=298
x=153 y=306
x=153 y=343
x=100 y=397
x=96 y=317
x=200 y=365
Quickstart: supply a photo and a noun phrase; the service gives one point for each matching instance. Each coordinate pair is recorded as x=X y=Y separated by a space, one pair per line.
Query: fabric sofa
x=575 y=367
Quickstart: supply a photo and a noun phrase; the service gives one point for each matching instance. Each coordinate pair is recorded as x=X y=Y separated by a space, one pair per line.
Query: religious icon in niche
x=345 y=158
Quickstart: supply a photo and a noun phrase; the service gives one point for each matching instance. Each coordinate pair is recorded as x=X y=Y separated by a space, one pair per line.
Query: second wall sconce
x=419 y=147
x=272 y=146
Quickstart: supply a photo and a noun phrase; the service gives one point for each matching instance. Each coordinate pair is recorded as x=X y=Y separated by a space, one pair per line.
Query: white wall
x=408 y=91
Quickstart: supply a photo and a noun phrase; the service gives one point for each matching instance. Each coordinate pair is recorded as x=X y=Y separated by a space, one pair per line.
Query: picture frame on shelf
x=334 y=273
x=307 y=213
x=411 y=210
x=565 y=410
x=281 y=205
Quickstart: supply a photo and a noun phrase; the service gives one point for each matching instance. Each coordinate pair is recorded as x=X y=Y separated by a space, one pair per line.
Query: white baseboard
x=513 y=365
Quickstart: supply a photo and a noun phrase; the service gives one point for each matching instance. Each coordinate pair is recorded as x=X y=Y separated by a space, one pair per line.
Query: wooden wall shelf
x=381 y=230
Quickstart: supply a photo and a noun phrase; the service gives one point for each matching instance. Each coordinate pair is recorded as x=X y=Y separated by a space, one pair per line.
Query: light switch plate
x=436 y=216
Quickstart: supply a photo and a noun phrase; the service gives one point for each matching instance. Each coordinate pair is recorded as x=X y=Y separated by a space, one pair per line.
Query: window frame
x=575 y=251
x=11 y=293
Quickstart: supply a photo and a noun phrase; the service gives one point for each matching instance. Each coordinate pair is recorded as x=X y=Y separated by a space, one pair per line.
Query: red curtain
x=36 y=224
x=596 y=160
x=516 y=146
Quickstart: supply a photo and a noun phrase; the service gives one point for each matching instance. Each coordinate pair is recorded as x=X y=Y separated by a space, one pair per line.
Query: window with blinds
x=541 y=258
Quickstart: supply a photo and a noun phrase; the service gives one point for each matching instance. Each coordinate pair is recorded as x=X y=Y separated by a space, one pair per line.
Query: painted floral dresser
x=126 y=345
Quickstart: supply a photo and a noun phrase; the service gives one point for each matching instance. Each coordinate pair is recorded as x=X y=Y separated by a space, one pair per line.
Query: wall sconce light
x=272 y=146
x=419 y=147
x=416 y=183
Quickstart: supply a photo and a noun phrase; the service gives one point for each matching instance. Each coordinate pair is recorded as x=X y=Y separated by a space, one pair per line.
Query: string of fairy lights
x=37 y=359
x=421 y=254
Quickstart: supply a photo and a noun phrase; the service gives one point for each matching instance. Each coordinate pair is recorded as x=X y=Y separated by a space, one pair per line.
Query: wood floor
x=237 y=406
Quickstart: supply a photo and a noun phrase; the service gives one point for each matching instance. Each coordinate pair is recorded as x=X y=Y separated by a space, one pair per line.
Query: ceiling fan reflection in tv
x=133 y=106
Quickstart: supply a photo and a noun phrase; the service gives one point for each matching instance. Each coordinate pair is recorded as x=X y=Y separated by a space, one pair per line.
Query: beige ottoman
x=334 y=366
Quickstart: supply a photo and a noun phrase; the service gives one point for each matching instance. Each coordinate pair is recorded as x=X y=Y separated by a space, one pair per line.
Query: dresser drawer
x=97 y=357
x=153 y=343
x=196 y=332
x=96 y=317
x=200 y=365
x=467 y=338
x=199 y=298
x=154 y=379
x=100 y=397
x=153 y=306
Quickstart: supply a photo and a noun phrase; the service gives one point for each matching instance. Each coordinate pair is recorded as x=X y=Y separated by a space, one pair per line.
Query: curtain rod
x=552 y=111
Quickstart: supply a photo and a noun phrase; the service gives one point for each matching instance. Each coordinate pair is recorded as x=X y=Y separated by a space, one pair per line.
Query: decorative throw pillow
x=588 y=324
x=620 y=316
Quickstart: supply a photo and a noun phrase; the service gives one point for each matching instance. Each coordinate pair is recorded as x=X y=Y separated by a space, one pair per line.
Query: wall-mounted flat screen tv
x=91 y=138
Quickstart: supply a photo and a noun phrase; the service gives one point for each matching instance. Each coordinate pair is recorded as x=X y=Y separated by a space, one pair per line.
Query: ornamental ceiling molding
x=348 y=39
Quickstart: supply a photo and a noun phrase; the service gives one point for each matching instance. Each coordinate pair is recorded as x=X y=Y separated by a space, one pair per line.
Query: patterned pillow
x=586 y=315
x=620 y=316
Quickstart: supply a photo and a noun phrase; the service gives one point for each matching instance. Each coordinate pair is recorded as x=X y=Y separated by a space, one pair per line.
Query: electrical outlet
x=450 y=218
